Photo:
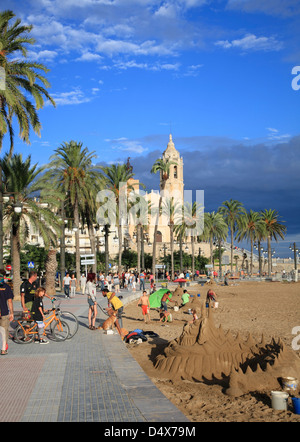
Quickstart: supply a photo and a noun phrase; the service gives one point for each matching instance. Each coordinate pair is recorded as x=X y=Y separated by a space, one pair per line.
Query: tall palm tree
x=231 y=211
x=21 y=182
x=171 y=209
x=23 y=79
x=274 y=230
x=113 y=176
x=215 y=229
x=71 y=171
x=163 y=167
x=249 y=225
x=193 y=218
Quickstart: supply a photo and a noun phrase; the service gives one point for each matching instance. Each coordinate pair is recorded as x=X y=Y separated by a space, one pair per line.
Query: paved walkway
x=89 y=378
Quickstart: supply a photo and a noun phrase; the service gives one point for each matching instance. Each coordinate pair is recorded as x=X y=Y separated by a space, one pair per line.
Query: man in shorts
x=28 y=289
x=145 y=304
x=164 y=300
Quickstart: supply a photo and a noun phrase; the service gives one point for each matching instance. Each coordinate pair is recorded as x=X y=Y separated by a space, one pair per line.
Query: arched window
x=175 y=171
x=158 y=236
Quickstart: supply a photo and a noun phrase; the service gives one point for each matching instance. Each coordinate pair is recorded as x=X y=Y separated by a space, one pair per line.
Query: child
x=195 y=317
x=145 y=304
x=38 y=314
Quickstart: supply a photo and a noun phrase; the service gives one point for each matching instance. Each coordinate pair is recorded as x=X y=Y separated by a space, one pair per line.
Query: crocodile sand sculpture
x=205 y=353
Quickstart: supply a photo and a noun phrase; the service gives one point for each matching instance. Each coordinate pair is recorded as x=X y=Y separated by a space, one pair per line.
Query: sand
x=268 y=308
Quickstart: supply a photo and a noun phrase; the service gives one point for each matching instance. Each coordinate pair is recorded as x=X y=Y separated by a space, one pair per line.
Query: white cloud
x=74 y=97
x=42 y=55
x=89 y=56
x=125 y=145
x=252 y=43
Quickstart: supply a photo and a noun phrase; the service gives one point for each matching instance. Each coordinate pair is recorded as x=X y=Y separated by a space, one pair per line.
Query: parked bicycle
x=68 y=318
x=27 y=328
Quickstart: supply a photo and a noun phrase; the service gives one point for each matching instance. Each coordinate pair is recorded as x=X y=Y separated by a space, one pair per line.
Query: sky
x=221 y=75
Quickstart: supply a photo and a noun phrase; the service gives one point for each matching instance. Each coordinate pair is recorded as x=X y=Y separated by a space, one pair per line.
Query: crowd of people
x=110 y=285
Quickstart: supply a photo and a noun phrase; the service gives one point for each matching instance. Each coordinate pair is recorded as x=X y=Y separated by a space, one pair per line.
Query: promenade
x=89 y=378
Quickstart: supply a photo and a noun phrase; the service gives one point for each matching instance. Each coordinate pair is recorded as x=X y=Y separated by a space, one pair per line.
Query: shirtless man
x=145 y=304
x=164 y=300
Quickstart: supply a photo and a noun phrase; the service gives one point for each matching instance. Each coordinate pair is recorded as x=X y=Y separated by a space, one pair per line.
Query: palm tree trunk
x=93 y=246
x=142 y=248
x=77 y=244
x=259 y=258
x=231 y=252
x=193 y=256
x=269 y=256
x=251 y=258
x=172 y=250
x=155 y=235
x=106 y=233
x=51 y=266
x=120 y=248
x=180 y=253
x=138 y=248
x=15 y=249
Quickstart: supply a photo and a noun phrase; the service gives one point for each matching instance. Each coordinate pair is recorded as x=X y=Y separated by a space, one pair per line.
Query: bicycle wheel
x=60 y=331
x=72 y=322
x=21 y=337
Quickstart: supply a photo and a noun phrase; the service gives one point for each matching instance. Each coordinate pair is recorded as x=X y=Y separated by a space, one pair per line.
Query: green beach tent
x=155 y=298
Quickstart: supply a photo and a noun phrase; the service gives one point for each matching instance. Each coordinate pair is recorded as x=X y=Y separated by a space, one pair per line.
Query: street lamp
x=18 y=207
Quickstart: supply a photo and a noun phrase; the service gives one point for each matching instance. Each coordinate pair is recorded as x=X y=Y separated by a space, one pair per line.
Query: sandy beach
x=268 y=308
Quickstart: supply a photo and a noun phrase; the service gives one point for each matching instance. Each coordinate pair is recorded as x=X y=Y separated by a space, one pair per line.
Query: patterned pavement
x=89 y=378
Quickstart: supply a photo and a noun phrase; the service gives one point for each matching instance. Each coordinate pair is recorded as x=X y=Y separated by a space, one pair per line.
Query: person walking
x=73 y=284
x=83 y=283
x=142 y=281
x=92 y=300
x=6 y=311
x=66 y=285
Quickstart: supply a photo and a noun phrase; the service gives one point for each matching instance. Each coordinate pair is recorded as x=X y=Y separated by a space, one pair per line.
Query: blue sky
x=218 y=74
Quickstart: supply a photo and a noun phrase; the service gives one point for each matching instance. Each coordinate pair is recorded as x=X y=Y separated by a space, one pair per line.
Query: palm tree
x=113 y=177
x=215 y=229
x=249 y=225
x=231 y=210
x=193 y=218
x=163 y=167
x=20 y=179
x=22 y=79
x=71 y=171
x=274 y=230
x=171 y=209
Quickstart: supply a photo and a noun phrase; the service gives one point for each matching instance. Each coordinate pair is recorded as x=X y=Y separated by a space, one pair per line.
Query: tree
x=172 y=209
x=20 y=179
x=249 y=224
x=231 y=211
x=113 y=176
x=215 y=229
x=163 y=167
x=71 y=171
x=23 y=79
x=274 y=230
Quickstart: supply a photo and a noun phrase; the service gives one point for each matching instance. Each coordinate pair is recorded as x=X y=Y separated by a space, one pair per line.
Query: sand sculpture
x=205 y=353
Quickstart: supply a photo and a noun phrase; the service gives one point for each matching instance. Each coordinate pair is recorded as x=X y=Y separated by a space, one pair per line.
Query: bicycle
x=25 y=332
x=69 y=318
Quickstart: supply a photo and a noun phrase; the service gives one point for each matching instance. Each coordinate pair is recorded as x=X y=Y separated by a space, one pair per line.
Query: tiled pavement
x=89 y=378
